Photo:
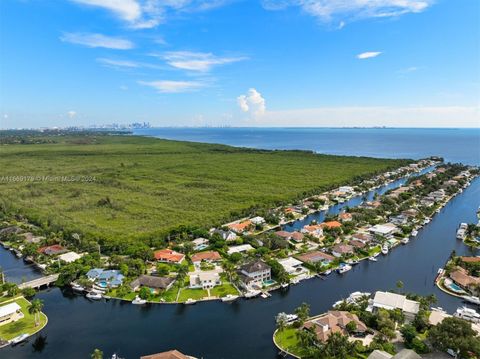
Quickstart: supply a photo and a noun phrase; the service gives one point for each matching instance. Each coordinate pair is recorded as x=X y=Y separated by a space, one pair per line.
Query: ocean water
x=455 y=145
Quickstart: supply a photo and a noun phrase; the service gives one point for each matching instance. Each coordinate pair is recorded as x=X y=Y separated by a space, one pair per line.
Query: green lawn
x=192 y=293
x=287 y=340
x=223 y=290
x=145 y=187
x=25 y=325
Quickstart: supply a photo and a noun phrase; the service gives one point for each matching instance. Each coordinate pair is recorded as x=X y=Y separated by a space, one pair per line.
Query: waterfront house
x=111 y=278
x=10 y=313
x=385 y=230
x=255 y=273
x=200 y=244
x=169 y=256
x=316 y=257
x=390 y=301
x=334 y=321
x=313 y=230
x=292 y=266
x=461 y=277
x=427 y=202
x=240 y=227
x=239 y=249
x=152 y=282
x=52 y=250
x=342 y=249
x=470 y=259
x=362 y=237
x=410 y=213
x=9 y=231
x=205 y=280
x=346 y=189
x=208 y=256
x=171 y=354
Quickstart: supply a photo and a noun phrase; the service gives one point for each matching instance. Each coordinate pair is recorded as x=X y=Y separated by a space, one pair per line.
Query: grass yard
x=287 y=340
x=25 y=325
x=186 y=293
x=223 y=290
x=145 y=187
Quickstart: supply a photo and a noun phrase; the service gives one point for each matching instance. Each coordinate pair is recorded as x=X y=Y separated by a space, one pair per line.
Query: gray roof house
x=152 y=282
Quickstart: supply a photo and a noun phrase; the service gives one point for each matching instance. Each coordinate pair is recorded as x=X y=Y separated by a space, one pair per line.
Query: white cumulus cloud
x=97 y=40
x=252 y=103
x=368 y=55
x=168 y=86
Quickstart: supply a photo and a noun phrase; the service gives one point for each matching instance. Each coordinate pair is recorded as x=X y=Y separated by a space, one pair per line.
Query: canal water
x=242 y=329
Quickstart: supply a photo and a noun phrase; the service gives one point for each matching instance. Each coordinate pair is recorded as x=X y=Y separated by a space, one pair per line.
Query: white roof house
x=383 y=229
x=291 y=265
x=346 y=189
x=69 y=257
x=257 y=220
x=240 y=248
x=8 y=309
x=390 y=301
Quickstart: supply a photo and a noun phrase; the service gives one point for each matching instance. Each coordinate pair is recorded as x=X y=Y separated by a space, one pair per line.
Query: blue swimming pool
x=455 y=288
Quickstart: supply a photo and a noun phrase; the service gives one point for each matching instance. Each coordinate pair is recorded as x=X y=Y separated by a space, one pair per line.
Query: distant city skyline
x=324 y=63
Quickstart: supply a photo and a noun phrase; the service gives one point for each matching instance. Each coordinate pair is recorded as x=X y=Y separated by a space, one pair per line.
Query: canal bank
x=244 y=328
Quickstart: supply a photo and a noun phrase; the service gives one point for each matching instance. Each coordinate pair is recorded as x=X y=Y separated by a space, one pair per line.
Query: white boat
x=426 y=221
x=229 y=298
x=19 y=339
x=468 y=314
x=344 y=268
x=405 y=240
x=414 y=233
x=252 y=293
x=284 y=285
x=139 y=300
x=353 y=262
x=94 y=296
x=190 y=301
x=373 y=259
x=471 y=299
x=385 y=249
x=77 y=288
x=327 y=272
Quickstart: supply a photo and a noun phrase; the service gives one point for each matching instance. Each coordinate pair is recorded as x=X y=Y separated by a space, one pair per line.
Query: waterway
x=242 y=329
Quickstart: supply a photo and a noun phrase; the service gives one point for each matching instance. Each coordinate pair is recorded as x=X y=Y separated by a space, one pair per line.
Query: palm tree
x=35 y=308
x=97 y=354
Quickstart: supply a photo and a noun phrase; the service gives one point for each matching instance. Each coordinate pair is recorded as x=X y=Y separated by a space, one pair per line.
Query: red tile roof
x=331 y=224
x=168 y=255
x=206 y=256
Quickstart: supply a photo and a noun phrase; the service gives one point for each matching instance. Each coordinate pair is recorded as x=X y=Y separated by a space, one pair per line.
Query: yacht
x=405 y=240
x=229 y=298
x=284 y=285
x=356 y=296
x=94 y=295
x=468 y=314
x=190 y=301
x=471 y=299
x=138 y=300
x=327 y=272
x=426 y=221
x=385 y=249
x=344 y=268
x=77 y=288
x=373 y=259
x=414 y=233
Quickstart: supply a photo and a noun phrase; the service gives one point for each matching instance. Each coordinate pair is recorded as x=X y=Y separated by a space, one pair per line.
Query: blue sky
x=240 y=62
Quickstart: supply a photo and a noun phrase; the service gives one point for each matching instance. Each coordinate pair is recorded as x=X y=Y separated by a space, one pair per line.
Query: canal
x=242 y=329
